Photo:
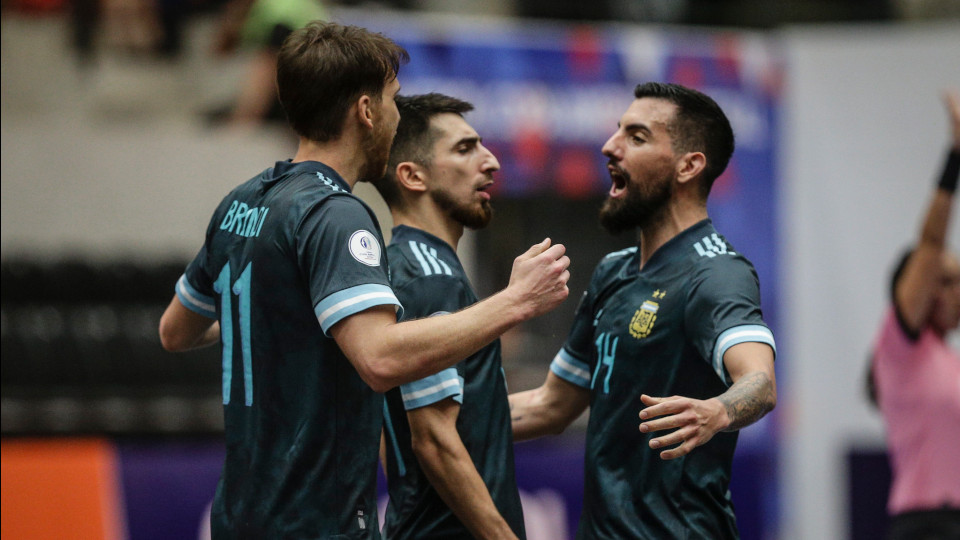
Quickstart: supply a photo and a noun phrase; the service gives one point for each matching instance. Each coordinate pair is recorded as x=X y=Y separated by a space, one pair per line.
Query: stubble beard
x=376 y=149
x=642 y=207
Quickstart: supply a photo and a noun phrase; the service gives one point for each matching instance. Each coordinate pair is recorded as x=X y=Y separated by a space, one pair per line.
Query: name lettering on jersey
x=328 y=182
x=244 y=220
x=364 y=247
x=642 y=323
x=711 y=246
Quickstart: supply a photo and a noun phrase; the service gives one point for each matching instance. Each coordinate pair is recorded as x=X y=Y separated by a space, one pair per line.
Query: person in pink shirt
x=916 y=374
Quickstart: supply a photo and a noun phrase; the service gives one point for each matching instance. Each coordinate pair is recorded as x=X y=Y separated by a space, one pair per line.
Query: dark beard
x=640 y=208
x=465 y=215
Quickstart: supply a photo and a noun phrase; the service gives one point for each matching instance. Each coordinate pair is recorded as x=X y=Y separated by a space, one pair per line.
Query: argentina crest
x=643 y=319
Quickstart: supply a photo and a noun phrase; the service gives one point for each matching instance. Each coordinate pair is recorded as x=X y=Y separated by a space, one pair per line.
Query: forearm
x=451 y=472
x=748 y=399
x=547 y=410
x=387 y=353
x=530 y=416
x=182 y=330
x=917 y=286
x=933 y=234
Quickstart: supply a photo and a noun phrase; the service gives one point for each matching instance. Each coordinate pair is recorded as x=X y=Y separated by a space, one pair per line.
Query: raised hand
x=539 y=278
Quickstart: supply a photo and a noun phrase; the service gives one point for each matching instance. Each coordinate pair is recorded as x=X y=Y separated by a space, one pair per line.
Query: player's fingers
x=554 y=252
x=536 y=249
x=650 y=400
x=663 y=406
x=674 y=453
x=660 y=424
x=670 y=439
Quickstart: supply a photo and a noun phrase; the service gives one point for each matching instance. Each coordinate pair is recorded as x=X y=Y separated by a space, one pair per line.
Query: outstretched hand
x=540 y=276
x=952 y=100
x=694 y=422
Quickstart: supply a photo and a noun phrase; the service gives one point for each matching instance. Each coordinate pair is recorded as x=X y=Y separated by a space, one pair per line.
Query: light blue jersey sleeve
x=429 y=390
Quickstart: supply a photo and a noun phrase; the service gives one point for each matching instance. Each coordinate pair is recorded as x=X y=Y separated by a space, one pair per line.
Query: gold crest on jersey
x=643 y=319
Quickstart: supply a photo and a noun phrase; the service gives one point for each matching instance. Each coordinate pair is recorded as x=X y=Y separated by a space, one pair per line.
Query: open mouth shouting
x=620 y=177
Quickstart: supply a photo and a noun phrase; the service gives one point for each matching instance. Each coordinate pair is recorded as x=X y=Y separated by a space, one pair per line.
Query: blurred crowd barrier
x=81 y=352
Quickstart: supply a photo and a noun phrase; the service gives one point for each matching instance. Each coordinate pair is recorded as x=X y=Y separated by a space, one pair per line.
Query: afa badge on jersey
x=643 y=319
x=364 y=247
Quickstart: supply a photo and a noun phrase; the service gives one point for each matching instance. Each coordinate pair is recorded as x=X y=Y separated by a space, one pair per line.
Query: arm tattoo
x=748 y=400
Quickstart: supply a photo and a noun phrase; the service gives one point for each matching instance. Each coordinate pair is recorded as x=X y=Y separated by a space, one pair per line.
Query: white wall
x=865 y=135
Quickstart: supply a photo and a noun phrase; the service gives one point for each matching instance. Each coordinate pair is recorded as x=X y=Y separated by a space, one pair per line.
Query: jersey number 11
x=241 y=289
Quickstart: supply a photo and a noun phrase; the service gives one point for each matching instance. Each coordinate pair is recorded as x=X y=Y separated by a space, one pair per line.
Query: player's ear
x=411 y=176
x=364 y=111
x=690 y=166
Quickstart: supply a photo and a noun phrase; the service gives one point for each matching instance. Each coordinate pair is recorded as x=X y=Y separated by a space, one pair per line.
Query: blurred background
x=124 y=122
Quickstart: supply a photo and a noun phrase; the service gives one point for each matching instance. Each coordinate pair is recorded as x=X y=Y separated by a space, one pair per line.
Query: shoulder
x=335 y=209
x=713 y=258
x=716 y=272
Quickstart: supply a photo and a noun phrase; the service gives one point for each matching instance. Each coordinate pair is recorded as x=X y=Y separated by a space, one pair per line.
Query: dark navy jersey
x=429 y=280
x=661 y=331
x=287 y=255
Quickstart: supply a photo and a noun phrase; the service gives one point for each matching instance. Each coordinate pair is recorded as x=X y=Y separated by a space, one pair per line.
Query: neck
x=426 y=216
x=677 y=217
x=344 y=155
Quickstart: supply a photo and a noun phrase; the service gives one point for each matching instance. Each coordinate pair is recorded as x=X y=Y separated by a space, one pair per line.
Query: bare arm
x=451 y=471
x=182 y=329
x=548 y=409
x=917 y=287
x=752 y=395
x=386 y=353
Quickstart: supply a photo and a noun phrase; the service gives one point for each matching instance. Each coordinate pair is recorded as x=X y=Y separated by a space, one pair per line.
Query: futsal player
x=670 y=330
x=449 y=447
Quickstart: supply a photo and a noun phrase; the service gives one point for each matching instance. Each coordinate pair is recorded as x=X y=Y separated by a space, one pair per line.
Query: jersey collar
x=677 y=246
x=286 y=169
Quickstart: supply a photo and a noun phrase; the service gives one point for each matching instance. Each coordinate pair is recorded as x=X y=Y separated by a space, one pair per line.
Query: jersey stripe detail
x=420 y=259
x=194 y=301
x=570 y=369
x=435 y=257
x=388 y=425
x=432 y=389
x=339 y=305
x=429 y=261
x=746 y=333
x=431 y=257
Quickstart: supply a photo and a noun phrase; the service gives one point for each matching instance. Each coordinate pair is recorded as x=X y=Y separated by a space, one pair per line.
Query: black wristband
x=948 y=181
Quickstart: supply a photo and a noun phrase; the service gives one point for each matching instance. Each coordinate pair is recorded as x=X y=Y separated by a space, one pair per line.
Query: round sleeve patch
x=365 y=248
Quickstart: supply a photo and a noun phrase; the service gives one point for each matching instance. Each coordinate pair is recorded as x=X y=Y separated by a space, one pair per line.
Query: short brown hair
x=324 y=67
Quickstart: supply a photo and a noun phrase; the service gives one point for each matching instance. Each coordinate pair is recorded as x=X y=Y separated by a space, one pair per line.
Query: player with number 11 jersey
x=299 y=418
